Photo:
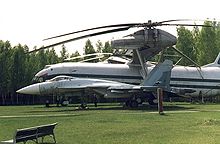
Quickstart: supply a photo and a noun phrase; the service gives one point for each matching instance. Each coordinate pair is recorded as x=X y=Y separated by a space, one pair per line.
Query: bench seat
x=32 y=133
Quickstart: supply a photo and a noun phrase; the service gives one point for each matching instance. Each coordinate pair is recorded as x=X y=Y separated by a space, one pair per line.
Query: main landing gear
x=63 y=101
x=131 y=103
x=134 y=102
x=152 y=100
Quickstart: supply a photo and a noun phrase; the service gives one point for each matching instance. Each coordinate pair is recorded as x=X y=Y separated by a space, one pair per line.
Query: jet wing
x=132 y=89
x=72 y=88
x=149 y=88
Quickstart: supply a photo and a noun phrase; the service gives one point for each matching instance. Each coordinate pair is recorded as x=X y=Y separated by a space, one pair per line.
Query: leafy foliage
x=17 y=68
x=89 y=49
x=207 y=48
x=76 y=54
x=64 y=54
x=201 y=45
x=107 y=48
x=185 y=44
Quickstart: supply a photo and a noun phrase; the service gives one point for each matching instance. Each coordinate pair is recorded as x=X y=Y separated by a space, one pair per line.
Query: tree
x=17 y=71
x=185 y=44
x=52 y=56
x=64 y=54
x=41 y=59
x=31 y=65
x=207 y=45
x=107 y=48
x=76 y=54
x=99 y=46
x=89 y=49
x=218 y=36
x=5 y=52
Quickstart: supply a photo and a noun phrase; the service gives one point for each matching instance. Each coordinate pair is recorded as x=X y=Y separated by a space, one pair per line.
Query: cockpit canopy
x=47 y=66
x=62 y=77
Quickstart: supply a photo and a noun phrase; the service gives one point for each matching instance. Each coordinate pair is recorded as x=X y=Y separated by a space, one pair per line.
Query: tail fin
x=160 y=75
x=216 y=63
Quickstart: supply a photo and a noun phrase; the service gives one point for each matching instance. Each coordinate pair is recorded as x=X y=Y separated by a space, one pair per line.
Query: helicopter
x=144 y=43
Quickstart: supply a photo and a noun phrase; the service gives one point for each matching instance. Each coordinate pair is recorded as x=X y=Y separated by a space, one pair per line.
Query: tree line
x=18 y=67
x=202 y=45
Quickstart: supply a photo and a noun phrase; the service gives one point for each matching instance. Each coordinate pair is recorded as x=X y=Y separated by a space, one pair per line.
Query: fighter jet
x=158 y=77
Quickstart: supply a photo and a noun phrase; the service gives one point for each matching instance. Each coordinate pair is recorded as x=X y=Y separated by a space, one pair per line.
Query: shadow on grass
x=106 y=107
x=144 y=108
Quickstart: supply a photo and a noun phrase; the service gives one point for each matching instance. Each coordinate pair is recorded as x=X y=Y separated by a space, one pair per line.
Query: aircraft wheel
x=65 y=103
x=152 y=101
x=139 y=100
x=134 y=104
x=83 y=106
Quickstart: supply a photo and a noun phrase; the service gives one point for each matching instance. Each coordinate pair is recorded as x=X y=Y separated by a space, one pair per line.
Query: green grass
x=111 y=123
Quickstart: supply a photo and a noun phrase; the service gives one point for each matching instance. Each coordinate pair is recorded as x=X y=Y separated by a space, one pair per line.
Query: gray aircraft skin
x=158 y=77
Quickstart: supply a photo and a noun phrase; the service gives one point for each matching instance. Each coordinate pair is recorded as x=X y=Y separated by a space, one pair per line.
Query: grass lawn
x=111 y=123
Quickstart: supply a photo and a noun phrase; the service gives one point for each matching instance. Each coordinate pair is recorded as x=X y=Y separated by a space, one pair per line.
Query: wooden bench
x=32 y=133
x=46 y=130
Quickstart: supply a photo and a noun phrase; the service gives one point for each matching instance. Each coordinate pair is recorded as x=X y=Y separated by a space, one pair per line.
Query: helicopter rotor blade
x=200 y=25
x=118 y=28
x=116 y=25
x=162 y=22
x=81 y=37
x=95 y=28
x=148 y=24
x=192 y=20
x=174 y=20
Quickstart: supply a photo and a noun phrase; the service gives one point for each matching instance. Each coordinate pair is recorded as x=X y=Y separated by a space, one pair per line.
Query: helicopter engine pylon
x=145 y=43
x=146 y=38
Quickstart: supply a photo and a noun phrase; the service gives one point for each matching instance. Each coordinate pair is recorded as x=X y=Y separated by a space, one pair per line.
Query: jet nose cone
x=32 y=90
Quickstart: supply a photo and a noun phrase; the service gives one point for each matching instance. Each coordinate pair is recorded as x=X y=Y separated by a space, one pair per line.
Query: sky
x=30 y=21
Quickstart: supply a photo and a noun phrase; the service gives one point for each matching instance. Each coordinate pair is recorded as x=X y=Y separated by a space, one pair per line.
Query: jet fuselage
x=191 y=81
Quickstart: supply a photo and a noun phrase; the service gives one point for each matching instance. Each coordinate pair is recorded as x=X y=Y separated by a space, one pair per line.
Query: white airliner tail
x=216 y=63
